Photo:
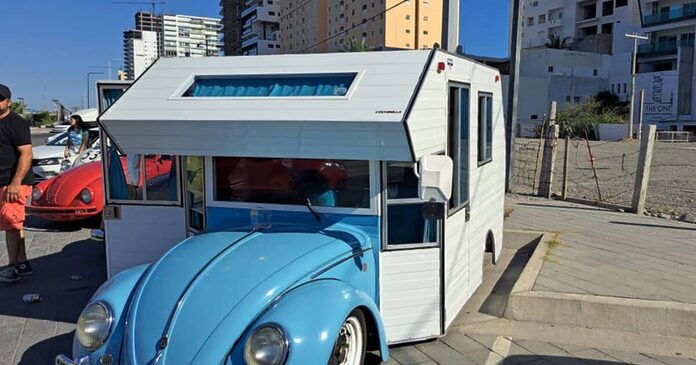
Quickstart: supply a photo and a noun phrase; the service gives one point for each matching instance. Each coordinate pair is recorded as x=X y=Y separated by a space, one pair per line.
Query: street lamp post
x=88 y=75
x=631 y=111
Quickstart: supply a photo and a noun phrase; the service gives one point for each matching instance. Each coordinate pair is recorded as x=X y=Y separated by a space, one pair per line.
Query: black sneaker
x=24 y=269
x=9 y=275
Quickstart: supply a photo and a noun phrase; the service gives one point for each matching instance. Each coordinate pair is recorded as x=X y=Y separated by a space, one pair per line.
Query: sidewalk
x=606 y=269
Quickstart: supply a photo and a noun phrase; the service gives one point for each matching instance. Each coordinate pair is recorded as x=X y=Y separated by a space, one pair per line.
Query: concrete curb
x=593 y=311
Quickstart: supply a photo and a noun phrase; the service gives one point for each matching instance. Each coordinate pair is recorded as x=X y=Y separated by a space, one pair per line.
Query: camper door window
x=317 y=182
x=142 y=179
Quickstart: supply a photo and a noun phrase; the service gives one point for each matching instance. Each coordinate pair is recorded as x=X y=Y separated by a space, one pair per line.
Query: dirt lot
x=672 y=187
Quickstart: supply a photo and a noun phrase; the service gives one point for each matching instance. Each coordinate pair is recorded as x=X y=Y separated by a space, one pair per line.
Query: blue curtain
x=117 y=179
x=111 y=95
x=272 y=86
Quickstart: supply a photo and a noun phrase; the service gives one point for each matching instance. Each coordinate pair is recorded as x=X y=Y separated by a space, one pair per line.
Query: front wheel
x=349 y=348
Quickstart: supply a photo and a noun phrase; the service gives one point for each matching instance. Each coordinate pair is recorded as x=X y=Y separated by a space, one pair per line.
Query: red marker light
x=497 y=78
x=440 y=67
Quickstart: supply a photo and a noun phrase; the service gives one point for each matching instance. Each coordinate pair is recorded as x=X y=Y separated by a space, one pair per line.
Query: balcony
x=687 y=12
x=663 y=48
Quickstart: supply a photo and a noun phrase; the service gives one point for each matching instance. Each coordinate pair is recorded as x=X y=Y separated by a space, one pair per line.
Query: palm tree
x=354 y=45
x=555 y=41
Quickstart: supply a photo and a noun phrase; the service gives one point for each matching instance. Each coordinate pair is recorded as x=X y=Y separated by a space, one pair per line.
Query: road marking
x=499 y=350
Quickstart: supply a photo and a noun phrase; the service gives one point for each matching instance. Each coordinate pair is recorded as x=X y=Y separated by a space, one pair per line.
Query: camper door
x=410 y=261
x=144 y=214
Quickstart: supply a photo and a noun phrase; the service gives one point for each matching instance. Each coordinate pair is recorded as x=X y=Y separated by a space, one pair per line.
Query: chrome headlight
x=94 y=325
x=65 y=165
x=86 y=196
x=48 y=161
x=36 y=194
x=268 y=345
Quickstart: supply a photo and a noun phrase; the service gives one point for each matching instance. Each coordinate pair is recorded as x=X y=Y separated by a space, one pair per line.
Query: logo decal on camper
x=388 y=112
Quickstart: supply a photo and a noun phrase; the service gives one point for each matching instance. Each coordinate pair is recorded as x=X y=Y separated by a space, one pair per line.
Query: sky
x=48 y=47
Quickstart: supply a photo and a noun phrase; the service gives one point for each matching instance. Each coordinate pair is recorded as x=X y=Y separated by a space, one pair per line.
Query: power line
x=355 y=26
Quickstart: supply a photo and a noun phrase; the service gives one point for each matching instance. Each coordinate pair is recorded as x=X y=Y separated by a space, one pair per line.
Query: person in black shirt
x=15 y=185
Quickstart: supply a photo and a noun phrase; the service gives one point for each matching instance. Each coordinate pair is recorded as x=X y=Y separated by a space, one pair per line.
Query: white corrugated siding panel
x=410 y=293
x=465 y=241
x=131 y=241
x=427 y=122
x=340 y=140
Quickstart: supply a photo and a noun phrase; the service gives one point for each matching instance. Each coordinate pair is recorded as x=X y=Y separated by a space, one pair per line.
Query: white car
x=48 y=160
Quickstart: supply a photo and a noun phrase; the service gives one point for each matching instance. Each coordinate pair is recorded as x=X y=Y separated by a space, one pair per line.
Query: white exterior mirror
x=435 y=178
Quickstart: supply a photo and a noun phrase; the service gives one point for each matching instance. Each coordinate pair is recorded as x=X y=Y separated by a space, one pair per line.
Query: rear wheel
x=349 y=348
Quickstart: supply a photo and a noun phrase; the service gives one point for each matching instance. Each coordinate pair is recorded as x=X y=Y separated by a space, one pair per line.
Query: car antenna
x=309 y=206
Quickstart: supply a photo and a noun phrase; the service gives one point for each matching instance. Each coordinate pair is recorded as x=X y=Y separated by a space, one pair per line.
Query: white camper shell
x=388 y=109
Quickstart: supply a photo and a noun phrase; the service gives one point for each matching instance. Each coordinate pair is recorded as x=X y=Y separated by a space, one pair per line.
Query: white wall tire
x=350 y=344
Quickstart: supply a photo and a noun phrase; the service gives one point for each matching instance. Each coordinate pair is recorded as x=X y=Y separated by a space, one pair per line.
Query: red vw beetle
x=78 y=193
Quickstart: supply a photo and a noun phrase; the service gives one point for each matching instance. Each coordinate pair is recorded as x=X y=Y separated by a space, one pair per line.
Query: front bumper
x=63 y=214
x=64 y=360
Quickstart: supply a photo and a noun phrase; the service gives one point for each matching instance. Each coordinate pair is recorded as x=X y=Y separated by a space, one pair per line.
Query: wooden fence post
x=640 y=187
x=549 y=160
x=564 y=189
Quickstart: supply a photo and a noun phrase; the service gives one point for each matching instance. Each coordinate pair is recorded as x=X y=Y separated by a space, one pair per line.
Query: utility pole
x=641 y=104
x=513 y=86
x=631 y=111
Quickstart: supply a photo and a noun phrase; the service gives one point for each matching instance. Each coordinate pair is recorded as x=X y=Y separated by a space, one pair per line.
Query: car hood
x=205 y=292
x=42 y=152
x=64 y=188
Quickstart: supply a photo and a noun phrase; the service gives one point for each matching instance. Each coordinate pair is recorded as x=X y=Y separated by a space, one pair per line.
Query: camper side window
x=318 y=182
x=485 y=129
x=458 y=145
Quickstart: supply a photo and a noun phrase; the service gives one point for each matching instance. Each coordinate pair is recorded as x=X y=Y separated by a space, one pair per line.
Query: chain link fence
x=600 y=171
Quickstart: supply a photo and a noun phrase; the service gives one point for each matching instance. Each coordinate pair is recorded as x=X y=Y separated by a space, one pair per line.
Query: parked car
x=78 y=192
x=89 y=116
x=48 y=160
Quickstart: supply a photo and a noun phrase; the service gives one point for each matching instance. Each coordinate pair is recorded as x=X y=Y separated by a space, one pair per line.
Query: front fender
x=116 y=292
x=311 y=316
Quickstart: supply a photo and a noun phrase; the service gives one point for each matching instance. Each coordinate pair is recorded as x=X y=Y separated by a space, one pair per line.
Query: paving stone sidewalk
x=609 y=253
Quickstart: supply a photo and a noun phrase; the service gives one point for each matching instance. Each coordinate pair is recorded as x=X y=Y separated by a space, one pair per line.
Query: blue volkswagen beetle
x=271 y=294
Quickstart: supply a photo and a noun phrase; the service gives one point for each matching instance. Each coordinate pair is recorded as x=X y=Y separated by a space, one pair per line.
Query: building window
x=620 y=3
x=408 y=45
x=560 y=15
x=408 y=16
x=425 y=18
x=608 y=8
x=595 y=72
x=458 y=145
x=271 y=13
x=567 y=99
x=530 y=21
x=542 y=18
x=425 y=32
x=550 y=68
x=408 y=31
x=485 y=129
x=576 y=99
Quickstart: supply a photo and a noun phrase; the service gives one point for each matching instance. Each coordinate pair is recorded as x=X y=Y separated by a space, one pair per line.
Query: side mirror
x=435 y=178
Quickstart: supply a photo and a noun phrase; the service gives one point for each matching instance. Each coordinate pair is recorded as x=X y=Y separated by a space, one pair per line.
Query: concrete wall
x=612 y=132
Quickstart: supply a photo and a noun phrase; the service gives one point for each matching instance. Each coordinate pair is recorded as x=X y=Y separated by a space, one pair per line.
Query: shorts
x=12 y=214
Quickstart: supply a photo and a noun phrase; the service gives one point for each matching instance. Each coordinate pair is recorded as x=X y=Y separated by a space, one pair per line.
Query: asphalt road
x=39 y=135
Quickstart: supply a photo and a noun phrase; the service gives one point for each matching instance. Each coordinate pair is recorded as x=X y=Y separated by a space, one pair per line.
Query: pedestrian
x=78 y=137
x=15 y=185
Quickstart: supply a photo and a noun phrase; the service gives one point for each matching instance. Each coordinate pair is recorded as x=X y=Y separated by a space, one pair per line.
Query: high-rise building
x=140 y=50
x=260 y=29
x=150 y=22
x=665 y=64
x=251 y=26
x=230 y=11
x=596 y=26
x=330 y=25
x=190 y=36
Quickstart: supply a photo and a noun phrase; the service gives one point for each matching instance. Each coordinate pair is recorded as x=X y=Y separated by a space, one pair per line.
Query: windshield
x=326 y=183
x=59 y=140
